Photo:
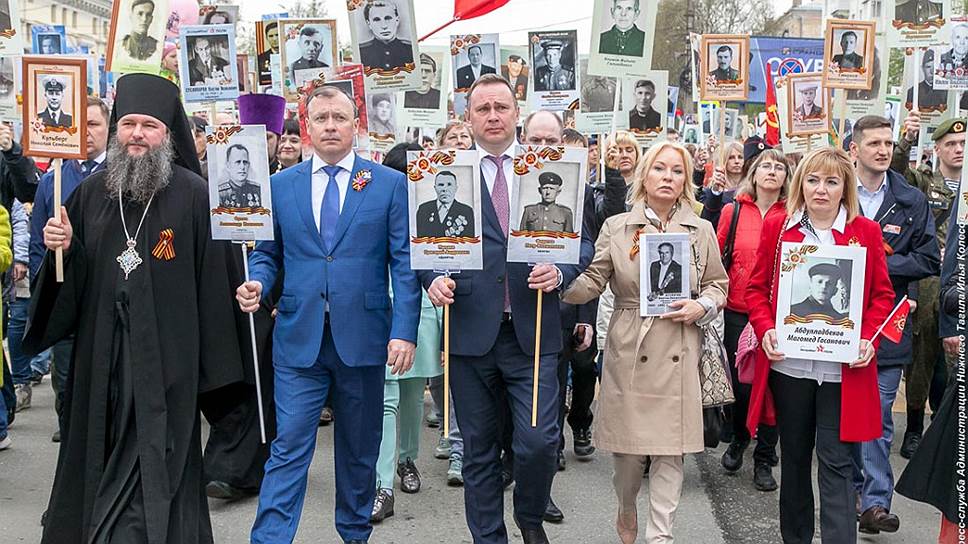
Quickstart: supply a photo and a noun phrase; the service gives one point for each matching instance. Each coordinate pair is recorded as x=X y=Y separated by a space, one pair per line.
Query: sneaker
x=733 y=456
x=442 y=449
x=382 y=506
x=36 y=378
x=432 y=419
x=455 y=476
x=5 y=443
x=24 y=392
x=583 y=442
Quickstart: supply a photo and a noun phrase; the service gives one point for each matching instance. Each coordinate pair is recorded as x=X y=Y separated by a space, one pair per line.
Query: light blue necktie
x=329 y=211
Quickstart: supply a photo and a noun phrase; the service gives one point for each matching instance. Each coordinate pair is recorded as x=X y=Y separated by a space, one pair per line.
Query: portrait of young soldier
x=807 y=107
x=824 y=278
x=138 y=44
x=724 y=65
x=848 y=57
x=548 y=215
x=643 y=117
x=53 y=114
x=928 y=96
x=552 y=75
x=516 y=72
x=388 y=49
x=428 y=95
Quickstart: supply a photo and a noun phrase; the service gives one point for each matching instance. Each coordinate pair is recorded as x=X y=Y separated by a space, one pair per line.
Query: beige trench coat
x=649 y=402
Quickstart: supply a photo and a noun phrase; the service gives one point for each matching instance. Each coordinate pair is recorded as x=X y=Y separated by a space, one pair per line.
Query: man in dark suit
x=624 y=38
x=139 y=45
x=643 y=117
x=445 y=216
x=492 y=355
x=385 y=51
x=665 y=275
x=205 y=67
x=426 y=97
x=467 y=75
x=849 y=59
x=724 y=71
x=823 y=285
x=917 y=12
x=271 y=31
x=52 y=115
x=310 y=45
x=514 y=72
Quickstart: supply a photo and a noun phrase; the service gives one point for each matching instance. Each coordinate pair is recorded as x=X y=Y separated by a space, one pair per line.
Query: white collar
x=100 y=158
x=881 y=187
x=346 y=163
x=839 y=223
x=509 y=152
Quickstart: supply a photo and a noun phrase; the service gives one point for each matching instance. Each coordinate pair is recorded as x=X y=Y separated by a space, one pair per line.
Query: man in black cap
x=139 y=45
x=553 y=76
x=148 y=295
x=426 y=97
x=53 y=115
x=823 y=285
x=548 y=215
x=385 y=51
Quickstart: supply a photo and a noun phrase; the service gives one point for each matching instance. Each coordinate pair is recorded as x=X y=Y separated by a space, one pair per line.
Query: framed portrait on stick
x=238 y=182
x=808 y=105
x=266 y=45
x=724 y=67
x=819 y=301
x=11 y=37
x=554 y=78
x=664 y=266
x=209 y=71
x=384 y=37
x=917 y=23
x=622 y=33
x=644 y=105
x=10 y=71
x=849 y=54
x=307 y=48
x=55 y=107
x=138 y=29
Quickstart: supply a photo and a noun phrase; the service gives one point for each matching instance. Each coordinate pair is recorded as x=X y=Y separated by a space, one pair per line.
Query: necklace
x=129 y=258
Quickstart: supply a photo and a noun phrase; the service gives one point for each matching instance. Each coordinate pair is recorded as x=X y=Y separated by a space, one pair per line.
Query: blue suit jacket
x=371 y=241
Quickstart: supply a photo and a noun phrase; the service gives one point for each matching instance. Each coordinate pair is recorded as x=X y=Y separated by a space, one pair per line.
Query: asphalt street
x=716 y=507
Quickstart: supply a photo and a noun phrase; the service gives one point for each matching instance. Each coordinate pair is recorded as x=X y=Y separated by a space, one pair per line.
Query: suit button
x=643 y=358
x=500 y=279
x=675 y=358
x=323 y=296
x=329 y=258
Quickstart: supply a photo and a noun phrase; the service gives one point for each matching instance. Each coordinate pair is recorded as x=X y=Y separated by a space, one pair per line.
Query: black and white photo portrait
x=848 y=58
x=49 y=44
x=386 y=44
x=138 y=44
x=11 y=34
x=849 y=54
x=5 y=20
x=267 y=46
x=547 y=214
x=240 y=199
x=207 y=59
x=380 y=113
x=218 y=15
x=554 y=65
x=428 y=95
x=7 y=80
x=665 y=272
x=622 y=36
x=807 y=105
x=929 y=98
x=474 y=61
x=957 y=55
x=53 y=114
x=597 y=93
x=722 y=57
x=644 y=117
x=515 y=70
x=308 y=51
x=445 y=216
x=917 y=12
x=826 y=294
x=238 y=191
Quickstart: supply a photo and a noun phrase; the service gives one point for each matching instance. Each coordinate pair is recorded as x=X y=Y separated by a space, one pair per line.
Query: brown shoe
x=627 y=525
x=876 y=519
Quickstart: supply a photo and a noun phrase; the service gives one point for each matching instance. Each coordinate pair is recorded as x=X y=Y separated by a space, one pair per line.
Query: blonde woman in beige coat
x=650 y=405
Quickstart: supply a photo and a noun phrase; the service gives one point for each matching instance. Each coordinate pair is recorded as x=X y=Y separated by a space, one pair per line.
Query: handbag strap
x=776 y=257
x=731 y=237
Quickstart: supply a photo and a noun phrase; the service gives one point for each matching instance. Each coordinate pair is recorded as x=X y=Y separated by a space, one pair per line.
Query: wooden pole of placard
x=56 y=165
x=914 y=103
x=537 y=361
x=446 y=369
x=255 y=352
x=842 y=113
x=809 y=142
x=722 y=122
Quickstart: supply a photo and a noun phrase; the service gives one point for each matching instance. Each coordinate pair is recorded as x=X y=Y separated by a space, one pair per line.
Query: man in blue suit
x=340 y=223
x=492 y=343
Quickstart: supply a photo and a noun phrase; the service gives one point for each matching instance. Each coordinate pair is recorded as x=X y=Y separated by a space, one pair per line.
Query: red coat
x=749 y=230
x=860 y=414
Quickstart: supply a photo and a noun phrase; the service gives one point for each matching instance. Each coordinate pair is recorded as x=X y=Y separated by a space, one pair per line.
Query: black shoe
x=36 y=378
x=223 y=490
x=583 y=442
x=326 y=416
x=763 y=477
x=409 y=476
x=534 y=535
x=733 y=456
x=507 y=472
x=561 y=461
x=552 y=513
x=56 y=437
x=43 y=519
x=648 y=465
x=382 y=507
x=910 y=444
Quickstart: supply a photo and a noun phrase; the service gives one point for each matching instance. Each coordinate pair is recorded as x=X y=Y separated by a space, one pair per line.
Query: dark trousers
x=482 y=387
x=62 y=352
x=583 y=379
x=808 y=416
x=766 y=436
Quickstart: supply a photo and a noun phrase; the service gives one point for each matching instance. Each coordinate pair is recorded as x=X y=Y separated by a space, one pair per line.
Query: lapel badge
x=361 y=179
x=165 y=248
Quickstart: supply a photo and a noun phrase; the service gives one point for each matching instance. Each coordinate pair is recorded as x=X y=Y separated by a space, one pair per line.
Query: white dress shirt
x=663 y=270
x=870 y=202
x=320 y=180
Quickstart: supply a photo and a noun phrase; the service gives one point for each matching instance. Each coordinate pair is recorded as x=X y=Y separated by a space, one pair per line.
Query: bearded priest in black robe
x=148 y=295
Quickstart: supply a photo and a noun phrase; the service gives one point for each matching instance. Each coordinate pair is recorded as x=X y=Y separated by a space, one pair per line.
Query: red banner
x=772 y=116
x=468 y=9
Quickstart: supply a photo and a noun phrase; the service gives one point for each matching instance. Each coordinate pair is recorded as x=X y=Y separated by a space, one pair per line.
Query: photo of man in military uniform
x=427 y=97
x=807 y=107
x=552 y=75
x=310 y=42
x=445 y=216
x=238 y=191
x=547 y=215
x=387 y=50
x=928 y=97
x=724 y=60
x=516 y=72
x=53 y=115
x=848 y=58
x=917 y=12
x=138 y=44
x=824 y=278
x=624 y=37
x=643 y=117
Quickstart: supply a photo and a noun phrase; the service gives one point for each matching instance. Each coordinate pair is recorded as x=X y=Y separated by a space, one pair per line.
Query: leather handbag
x=716 y=388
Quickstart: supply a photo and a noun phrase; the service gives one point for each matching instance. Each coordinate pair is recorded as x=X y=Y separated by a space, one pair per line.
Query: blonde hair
x=748 y=187
x=725 y=150
x=828 y=160
x=450 y=127
x=638 y=192
x=624 y=137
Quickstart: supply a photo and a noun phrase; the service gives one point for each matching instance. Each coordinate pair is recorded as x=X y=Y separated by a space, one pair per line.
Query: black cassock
x=150 y=351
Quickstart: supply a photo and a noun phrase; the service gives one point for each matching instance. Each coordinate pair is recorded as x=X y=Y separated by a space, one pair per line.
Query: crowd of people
x=136 y=358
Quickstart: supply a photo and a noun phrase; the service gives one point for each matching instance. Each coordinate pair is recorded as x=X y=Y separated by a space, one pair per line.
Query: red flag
x=893 y=326
x=468 y=9
x=772 y=116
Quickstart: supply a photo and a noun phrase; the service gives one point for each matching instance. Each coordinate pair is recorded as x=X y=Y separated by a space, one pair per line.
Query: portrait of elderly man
x=643 y=116
x=724 y=60
x=824 y=278
x=138 y=44
x=310 y=42
x=553 y=76
x=53 y=114
x=917 y=12
x=515 y=71
x=665 y=274
x=957 y=56
x=547 y=214
x=848 y=57
x=445 y=216
x=205 y=67
x=387 y=50
x=468 y=74
x=624 y=38
x=428 y=95
x=238 y=191
x=808 y=108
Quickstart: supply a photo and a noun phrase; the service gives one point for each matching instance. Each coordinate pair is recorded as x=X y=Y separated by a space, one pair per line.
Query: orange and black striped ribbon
x=165 y=249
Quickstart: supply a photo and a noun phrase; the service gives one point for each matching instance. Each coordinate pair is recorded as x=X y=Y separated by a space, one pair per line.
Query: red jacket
x=749 y=229
x=860 y=409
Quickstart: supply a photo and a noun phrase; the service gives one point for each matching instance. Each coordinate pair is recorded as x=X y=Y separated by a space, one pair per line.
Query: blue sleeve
x=38 y=218
x=21 y=233
x=266 y=259
x=406 y=287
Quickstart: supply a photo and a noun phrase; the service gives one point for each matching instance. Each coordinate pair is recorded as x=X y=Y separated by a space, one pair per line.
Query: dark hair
x=309 y=31
x=426 y=139
x=228 y=152
x=378 y=3
x=269 y=26
x=645 y=83
x=570 y=135
x=290 y=126
x=479 y=48
x=848 y=33
x=211 y=14
x=331 y=91
x=396 y=158
x=725 y=48
x=105 y=111
x=516 y=58
x=672 y=249
x=424 y=57
x=489 y=79
x=869 y=122
x=670 y=131
x=377 y=98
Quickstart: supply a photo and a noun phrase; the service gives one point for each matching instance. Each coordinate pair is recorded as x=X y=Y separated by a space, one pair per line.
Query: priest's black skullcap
x=147 y=94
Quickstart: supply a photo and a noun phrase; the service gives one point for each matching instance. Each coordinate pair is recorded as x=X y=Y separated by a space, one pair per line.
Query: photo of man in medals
x=238 y=191
x=445 y=216
x=917 y=12
x=427 y=97
x=825 y=279
x=643 y=117
x=848 y=59
x=53 y=114
x=665 y=274
x=624 y=37
x=138 y=44
x=391 y=46
x=724 y=64
x=548 y=215
x=468 y=74
x=550 y=73
x=515 y=70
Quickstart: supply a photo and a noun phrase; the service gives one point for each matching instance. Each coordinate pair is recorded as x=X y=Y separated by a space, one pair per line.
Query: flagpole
x=884 y=324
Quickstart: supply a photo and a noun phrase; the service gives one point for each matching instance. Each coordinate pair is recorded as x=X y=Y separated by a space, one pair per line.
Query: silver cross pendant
x=129 y=259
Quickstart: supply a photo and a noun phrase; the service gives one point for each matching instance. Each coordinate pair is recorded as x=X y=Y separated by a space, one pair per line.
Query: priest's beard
x=138 y=177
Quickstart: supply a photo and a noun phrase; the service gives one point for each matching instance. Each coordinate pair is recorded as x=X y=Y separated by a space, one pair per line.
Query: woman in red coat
x=761 y=196
x=818 y=404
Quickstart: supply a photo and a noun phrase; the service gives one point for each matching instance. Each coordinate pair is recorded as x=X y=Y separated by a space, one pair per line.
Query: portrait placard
x=10 y=71
x=138 y=29
x=515 y=69
x=266 y=45
x=547 y=197
x=917 y=23
x=695 y=62
x=932 y=102
x=690 y=133
x=444 y=194
x=471 y=56
x=732 y=129
x=384 y=35
x=725 y=67
x=11 y=37
x=789 y=142
x=673 y=105
x=664 y=266
x=819 y=301
x=238 y=182
x=951 y=69
x=55 y=107
x=427 y=106
x=48 y=39
x=218 y=15
x=808 y=105
x=709 y=117
x=349 y=79
x=644 y=104
x=554 y=80
x=307 y=47
x=622 y=32
x=871 y=101
x=849 y=54
x=381 y=113
x=208 y=69
x=597 y=103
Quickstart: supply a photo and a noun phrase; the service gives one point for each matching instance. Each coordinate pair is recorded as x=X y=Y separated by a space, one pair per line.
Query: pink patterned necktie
x=502 y=207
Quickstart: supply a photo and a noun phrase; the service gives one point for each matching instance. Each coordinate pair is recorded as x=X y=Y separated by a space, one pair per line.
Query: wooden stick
x=537 y=362
x=914 y=103
x=722 y=122
x=56 y=164
x=842 y=112
x=446 y=370
x=255 y=352
x=809 y=142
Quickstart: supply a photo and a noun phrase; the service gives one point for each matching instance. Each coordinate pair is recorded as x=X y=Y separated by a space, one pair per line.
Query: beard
x=138 y=178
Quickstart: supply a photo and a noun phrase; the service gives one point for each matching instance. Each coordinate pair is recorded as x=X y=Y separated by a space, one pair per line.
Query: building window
x=74 y=19
x=53 y=14
x=64 y=16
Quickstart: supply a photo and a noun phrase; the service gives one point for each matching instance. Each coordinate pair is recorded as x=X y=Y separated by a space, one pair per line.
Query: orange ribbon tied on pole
x=165 y=248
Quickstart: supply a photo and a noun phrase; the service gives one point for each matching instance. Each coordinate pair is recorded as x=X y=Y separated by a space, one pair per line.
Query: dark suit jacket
x=197 y=71
x=429 y=224
x=810 y=306
x=674 y=271
x=465 y=75
x=428 y=101
x=64 y=120
x=852 y=60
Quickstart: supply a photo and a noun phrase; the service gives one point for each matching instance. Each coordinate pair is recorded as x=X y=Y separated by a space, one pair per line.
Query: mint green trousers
x=402 y=417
